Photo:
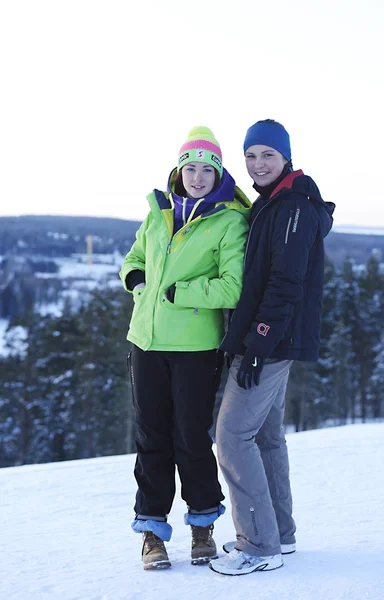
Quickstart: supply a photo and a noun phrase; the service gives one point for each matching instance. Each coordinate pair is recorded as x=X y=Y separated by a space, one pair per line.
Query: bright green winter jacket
x=205 y=259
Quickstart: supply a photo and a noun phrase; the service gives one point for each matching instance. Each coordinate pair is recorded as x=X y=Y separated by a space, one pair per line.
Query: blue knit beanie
x=269 y=134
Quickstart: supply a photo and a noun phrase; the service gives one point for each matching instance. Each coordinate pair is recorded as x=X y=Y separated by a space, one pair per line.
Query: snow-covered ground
x=65 y=530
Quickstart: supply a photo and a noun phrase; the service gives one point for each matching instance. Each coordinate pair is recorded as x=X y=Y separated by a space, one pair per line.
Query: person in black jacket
x=277 y=320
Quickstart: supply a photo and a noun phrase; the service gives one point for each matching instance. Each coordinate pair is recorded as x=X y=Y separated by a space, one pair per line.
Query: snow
x=3 y=327
x=78 y=268
x=57 y=236
x=16 y=336
x=82 y=278
x=70 y=267
x=66 y=533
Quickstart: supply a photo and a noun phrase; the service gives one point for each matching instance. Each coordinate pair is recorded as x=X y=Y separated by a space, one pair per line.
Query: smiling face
x=198 y=179
x=264 y=164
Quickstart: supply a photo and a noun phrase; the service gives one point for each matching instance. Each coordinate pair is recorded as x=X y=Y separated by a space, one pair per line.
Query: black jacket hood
x=305 y=186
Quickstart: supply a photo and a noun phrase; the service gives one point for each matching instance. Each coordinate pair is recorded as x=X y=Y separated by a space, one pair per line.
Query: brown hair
x=180 y=189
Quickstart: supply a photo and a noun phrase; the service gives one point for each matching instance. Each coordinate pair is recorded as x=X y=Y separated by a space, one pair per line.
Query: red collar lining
x=287 y=182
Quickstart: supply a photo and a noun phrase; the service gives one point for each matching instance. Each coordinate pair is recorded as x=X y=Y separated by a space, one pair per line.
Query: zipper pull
x=186 y=230
x=169 y=247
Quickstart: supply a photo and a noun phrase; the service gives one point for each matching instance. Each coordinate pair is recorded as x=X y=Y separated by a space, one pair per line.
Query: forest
x=66 y=391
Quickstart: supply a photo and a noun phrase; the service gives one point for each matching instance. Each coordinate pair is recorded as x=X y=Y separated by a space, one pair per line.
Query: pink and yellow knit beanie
x=201 y=146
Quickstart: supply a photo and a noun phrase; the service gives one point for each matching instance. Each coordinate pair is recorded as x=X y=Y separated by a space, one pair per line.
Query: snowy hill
x=65 y=530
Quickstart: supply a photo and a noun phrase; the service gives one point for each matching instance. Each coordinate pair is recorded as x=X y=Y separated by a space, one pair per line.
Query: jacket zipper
x=249 y=237
x=187 y=230
x=170 y=241
x=184 y=209
x=254 y=220
x=250 y=231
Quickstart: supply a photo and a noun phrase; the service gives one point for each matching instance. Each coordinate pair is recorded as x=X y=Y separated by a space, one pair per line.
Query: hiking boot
x=154 y=554
x=203 y=545
x=241 y=563
x=285 y=548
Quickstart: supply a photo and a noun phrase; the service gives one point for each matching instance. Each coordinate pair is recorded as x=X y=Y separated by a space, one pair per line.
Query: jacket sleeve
x=135 y=259
x=224 y=290
x=293 y=236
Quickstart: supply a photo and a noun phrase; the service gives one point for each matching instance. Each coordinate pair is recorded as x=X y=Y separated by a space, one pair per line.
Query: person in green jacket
x=184 y=268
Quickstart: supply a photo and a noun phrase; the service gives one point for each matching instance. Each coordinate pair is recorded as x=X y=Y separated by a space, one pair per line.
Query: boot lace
x=151 y=541
x=201 y=534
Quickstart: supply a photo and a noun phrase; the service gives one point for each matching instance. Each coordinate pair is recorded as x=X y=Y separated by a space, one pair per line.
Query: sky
x=99 y=95
x=65 y=530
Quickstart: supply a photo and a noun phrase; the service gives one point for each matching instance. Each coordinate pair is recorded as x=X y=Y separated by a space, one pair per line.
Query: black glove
x=170 y=293
x=134 y=278
x=249 y=371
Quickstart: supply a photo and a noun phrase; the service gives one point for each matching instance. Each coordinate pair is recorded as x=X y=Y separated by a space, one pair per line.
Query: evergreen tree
x=350 y=324
x=104 y=404
x=67 y=394
x=342 y=381
x=371 y=315
x=22 y=411
x=308 y=402
x=376 y=383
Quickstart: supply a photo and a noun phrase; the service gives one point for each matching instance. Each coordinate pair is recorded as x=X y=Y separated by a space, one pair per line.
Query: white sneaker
x=288 y=548
x=285 y=548
x=241 y=563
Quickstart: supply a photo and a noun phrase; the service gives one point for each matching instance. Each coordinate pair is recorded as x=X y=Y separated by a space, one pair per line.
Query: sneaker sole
x=159 y=564
x=203 y=560
x=285 y=548
x=288 y=549
x=271 y=565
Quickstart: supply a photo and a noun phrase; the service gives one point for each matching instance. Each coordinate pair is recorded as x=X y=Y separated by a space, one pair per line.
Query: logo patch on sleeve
x=263 y=329
x=296 y=220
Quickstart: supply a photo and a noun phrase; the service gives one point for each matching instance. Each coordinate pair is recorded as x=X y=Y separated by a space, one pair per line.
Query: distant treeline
x=66 y=393
x=54 y=236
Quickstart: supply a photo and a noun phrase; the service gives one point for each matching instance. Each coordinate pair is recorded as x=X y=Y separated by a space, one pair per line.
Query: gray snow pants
x=253 y=457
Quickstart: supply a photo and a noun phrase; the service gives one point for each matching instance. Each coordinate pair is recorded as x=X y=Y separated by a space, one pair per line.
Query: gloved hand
x=134 y=278
x=170 y=293
x=249 y=371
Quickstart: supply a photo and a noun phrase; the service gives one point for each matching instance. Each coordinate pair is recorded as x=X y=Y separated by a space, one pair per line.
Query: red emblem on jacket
x=263 y=329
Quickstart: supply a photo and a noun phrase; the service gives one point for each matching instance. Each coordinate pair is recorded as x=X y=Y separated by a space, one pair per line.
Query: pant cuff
x=162 y=529
x=203 y=518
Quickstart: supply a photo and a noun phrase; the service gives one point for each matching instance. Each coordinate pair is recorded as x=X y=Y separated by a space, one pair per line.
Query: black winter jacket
x=279 y=311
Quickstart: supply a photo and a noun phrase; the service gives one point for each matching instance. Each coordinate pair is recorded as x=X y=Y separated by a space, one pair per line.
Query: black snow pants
x=173 y=396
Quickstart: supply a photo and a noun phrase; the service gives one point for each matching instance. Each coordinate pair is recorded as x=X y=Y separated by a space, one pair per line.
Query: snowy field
x=65 y=530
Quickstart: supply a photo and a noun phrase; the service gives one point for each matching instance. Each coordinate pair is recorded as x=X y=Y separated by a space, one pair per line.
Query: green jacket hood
x=227 y=193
